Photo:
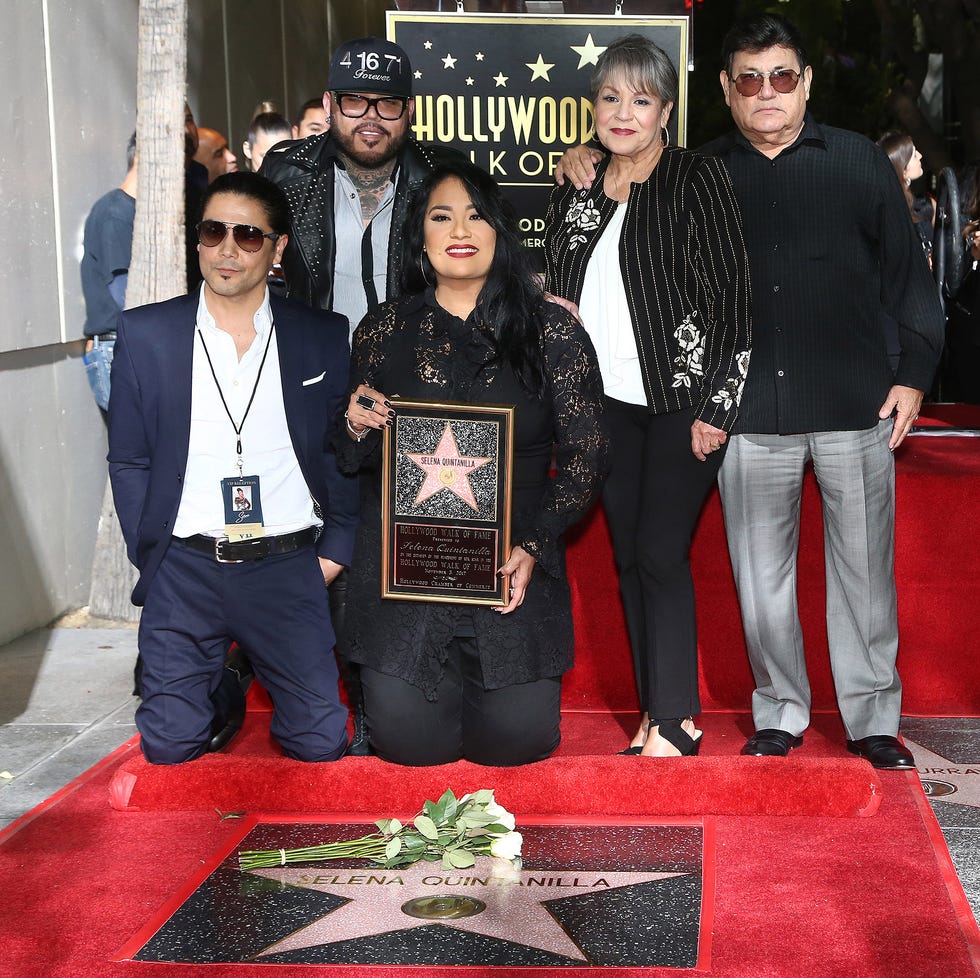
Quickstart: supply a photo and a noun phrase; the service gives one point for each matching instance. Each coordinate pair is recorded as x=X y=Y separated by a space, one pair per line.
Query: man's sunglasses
x=247 y=237
x=388 y=107
x=783 y=80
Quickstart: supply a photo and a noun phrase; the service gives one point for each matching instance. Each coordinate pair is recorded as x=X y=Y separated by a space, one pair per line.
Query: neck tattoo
x=371 y=184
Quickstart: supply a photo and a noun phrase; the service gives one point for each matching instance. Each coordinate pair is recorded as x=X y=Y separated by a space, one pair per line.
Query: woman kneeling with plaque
x=445 y=679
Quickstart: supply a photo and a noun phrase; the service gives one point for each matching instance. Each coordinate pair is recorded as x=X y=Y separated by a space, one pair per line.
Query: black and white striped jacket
x=685 y=271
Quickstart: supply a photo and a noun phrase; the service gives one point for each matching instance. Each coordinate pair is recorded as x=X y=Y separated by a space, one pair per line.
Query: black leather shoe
x=229 y=700
x=771 y=743
x=359 y=745
x=884 y=753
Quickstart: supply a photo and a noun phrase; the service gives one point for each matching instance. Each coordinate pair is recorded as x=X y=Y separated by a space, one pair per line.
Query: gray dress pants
x=761 y=483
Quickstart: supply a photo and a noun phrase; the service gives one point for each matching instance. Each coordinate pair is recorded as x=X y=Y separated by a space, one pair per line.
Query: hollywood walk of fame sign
x=511 y=91
x=586 y=897
x=446 y=502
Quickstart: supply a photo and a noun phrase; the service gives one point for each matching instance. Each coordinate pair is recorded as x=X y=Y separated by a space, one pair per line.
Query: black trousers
x=500 y=727
x=653 y=497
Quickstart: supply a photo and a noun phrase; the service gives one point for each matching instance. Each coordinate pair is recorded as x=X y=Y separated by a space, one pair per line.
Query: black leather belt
x=227 y=552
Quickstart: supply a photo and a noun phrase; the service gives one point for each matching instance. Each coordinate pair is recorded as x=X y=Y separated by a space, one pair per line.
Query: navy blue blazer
x=150 y=420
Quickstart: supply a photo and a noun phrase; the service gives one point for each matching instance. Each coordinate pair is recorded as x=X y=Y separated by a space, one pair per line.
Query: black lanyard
x=258 y=376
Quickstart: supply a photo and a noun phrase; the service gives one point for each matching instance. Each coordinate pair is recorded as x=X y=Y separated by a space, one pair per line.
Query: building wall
x=242 y=52
x=68 y=71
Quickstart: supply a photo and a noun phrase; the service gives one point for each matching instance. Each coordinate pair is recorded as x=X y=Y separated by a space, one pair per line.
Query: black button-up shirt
x=831 y=247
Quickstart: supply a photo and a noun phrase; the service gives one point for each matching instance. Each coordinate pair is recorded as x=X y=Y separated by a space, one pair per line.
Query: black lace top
x=412 y=348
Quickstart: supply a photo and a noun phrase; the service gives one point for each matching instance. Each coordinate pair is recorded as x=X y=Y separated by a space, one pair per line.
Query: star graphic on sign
x=418 y=74
x=513 y=909
x=469 y=81
x=445 y=468
x=501 y=79
x=428 y=45
x=588 y=53
x=944 y=779
x=449 y=61
x=480 y=55
x=539 y=69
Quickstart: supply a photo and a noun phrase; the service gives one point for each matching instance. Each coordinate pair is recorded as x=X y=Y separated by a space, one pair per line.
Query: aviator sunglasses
x=783 y=80
x=247 y=237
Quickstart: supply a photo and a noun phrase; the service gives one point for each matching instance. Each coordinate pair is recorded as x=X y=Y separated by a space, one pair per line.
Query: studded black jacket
x=305 y=168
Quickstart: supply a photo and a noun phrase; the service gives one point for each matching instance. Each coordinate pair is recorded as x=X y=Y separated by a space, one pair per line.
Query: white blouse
x=606 y=317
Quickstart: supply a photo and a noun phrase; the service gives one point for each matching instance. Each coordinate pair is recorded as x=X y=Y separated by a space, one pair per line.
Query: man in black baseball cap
x=370 y=98
x=348 y=190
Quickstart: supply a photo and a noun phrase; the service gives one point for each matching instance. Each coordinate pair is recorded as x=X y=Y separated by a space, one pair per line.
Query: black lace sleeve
x=581 y=437
x=370 y=339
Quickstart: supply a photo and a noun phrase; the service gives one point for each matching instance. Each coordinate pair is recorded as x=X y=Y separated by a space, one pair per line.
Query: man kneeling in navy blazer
x=224 y=394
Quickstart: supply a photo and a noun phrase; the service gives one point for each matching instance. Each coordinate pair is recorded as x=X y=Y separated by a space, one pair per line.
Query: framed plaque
x=445 y=492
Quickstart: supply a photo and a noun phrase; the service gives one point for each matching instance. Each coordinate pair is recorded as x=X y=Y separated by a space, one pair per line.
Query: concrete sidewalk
x=66 y=700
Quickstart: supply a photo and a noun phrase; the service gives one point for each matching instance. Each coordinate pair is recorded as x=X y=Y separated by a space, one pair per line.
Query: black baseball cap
x=370 y=64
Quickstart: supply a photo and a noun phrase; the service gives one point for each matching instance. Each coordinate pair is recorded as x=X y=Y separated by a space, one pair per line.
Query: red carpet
x=784 y=896
x=565 y=786
x=817 y=865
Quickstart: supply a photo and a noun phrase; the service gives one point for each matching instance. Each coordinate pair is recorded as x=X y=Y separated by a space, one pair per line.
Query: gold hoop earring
x=425 y=278
x=664 y=136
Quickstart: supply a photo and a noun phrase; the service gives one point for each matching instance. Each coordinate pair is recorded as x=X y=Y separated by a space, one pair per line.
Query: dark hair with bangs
x=645 y=67
x=246 y=184
x=511 y=301
x=760 y=33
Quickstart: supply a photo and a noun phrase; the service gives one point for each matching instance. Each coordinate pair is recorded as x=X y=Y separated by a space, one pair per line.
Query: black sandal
x=675 y=735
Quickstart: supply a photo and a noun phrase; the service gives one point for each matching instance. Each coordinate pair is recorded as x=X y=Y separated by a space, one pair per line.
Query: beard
x=376 y=156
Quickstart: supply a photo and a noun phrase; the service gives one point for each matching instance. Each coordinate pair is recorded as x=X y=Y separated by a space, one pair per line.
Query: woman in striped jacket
x=653 y=255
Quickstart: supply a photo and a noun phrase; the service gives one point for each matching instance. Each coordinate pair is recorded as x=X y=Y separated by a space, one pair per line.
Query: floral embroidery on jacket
x=689 y=362
x=583 y=215
x=731 y=394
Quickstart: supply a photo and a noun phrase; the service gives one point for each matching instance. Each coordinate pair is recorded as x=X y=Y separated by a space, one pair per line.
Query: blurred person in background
x=213 y=153
x=267 y=129
x=107 y=247
x=906 y=160
x=311 y=119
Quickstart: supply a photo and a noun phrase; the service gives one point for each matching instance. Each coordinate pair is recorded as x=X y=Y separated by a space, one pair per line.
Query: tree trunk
x=157 y=270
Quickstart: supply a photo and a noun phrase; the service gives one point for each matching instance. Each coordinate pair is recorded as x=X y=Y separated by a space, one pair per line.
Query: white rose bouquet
x=452 y=830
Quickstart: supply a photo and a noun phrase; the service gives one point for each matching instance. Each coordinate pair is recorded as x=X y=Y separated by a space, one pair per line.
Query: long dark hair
x=899 y=147
x=511 y=301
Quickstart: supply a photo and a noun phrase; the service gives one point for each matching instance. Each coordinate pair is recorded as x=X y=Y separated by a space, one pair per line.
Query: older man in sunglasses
x=348 y=190
x=218 y=396
x=831 y=248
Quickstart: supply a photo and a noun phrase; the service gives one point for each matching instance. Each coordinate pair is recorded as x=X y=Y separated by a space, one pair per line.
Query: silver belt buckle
x=217 y=552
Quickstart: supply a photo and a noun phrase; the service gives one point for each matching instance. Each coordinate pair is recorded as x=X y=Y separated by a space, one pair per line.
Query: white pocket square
x=314 y=380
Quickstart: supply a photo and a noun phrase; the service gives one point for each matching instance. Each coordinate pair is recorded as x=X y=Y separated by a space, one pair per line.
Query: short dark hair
x=512 y=300
x=310 y=103
x=131 y=151
x=760 y=33
x=251 y=185
x=268 y=122
x=646 y=68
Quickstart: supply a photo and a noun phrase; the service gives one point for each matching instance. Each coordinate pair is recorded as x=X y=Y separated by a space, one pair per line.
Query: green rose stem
x=367 y=847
